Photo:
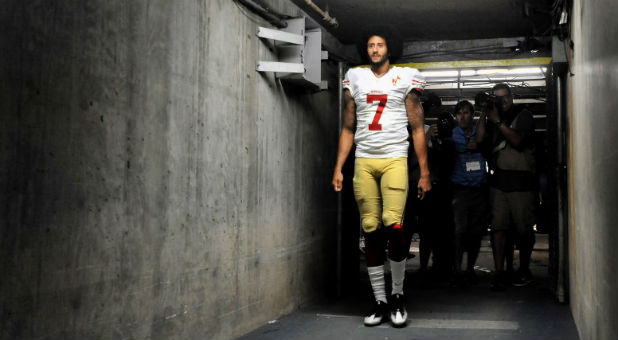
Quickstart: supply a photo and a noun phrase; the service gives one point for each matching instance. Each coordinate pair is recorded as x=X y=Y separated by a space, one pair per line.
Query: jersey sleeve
x=346 y=83
x=415 y=80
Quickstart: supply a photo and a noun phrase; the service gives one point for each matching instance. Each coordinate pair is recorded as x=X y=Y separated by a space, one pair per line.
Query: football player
x=380 y=102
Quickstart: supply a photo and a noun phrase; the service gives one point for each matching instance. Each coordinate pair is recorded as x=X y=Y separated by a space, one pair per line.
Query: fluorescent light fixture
x=525 y=70
x=486 y=71
x=437 y=74
x=443 y=77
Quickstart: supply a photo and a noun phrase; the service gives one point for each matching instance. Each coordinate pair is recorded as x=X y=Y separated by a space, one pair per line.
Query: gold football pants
x=381 y=189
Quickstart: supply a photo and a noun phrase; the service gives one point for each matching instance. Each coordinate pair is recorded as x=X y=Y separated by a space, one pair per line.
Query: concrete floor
x=439 y=311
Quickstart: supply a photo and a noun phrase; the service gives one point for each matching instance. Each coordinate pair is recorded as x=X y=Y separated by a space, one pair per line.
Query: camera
x=488 y=101
x=445 y=124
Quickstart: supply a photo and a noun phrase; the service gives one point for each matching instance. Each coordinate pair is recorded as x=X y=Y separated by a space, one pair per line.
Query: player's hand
x=424 y=185
x=337 y=180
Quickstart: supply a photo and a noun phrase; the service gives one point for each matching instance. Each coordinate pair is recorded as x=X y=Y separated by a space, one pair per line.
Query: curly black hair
x=394 y=42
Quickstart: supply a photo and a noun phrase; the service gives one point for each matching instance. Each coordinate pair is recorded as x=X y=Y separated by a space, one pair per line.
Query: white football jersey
x=381 y=118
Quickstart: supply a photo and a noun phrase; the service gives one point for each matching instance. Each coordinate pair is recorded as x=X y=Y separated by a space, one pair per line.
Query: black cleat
x=399 y=316
x=377 y=314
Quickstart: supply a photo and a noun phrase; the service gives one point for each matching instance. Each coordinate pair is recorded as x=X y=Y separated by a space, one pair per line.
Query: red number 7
x=375 y=126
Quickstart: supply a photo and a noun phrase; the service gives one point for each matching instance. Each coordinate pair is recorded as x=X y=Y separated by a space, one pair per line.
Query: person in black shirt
x=512 y=184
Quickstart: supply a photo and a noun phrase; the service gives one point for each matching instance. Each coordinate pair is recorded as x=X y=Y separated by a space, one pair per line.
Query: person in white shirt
x=380 y=102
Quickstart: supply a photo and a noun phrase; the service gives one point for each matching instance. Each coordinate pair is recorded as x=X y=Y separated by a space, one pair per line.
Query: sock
x=398 y=272
x=376 y=277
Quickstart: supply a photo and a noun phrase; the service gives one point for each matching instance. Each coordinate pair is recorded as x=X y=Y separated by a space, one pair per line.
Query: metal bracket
x=297 y=52
x=268 y=33
x=275 y=66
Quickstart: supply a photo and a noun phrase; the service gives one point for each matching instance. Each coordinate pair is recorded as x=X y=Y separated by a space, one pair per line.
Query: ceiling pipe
x=266 y=7
x=325 y=16
x=259 y=10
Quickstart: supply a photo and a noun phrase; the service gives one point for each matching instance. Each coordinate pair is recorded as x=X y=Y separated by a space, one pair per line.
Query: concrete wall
x=593 y=167
x=152 y=184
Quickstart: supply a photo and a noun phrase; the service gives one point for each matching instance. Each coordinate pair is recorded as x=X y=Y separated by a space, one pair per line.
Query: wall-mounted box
x=299 y=52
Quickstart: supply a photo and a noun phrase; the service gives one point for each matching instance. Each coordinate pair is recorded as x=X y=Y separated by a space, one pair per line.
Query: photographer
x=512 y=184
x=469 y=201
x=432 y=217
x=436 y=215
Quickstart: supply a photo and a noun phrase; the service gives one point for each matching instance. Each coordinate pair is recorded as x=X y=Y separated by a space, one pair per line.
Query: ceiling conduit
x=325 y=16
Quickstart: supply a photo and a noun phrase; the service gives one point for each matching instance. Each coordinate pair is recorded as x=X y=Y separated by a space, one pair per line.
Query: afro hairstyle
x=394 y=42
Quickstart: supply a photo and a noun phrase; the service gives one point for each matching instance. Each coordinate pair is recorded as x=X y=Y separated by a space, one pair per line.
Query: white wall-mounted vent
x=299 y=52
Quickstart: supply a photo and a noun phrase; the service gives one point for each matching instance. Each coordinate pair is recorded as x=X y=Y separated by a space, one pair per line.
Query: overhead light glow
x=525 y=70
x=487 y=71
x=436 y=74
x=442 y=77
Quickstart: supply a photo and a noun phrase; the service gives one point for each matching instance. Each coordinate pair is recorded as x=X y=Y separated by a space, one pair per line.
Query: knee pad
x=370 y=224
x=391 y=216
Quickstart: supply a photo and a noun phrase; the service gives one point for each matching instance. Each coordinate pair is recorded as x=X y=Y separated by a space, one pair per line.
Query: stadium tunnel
x=155 y=185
